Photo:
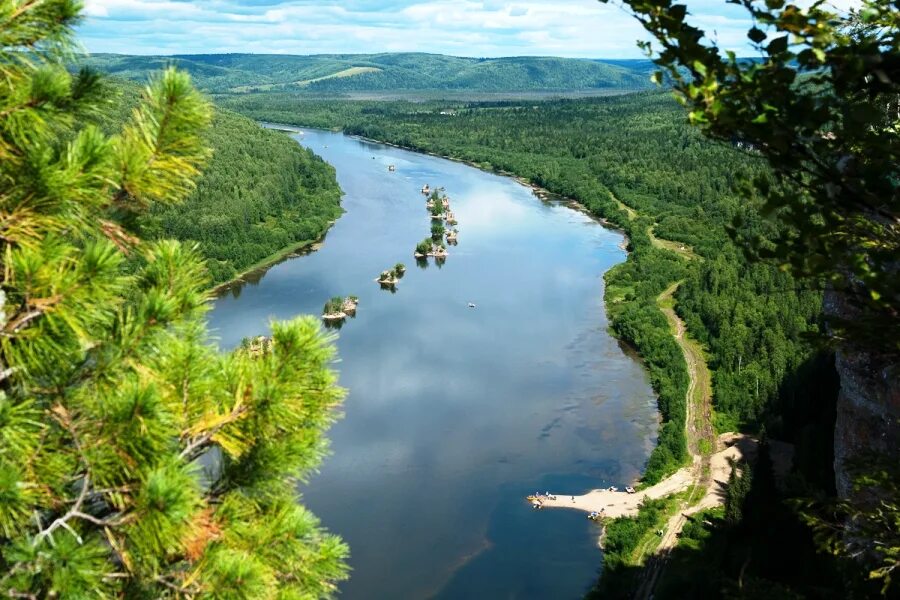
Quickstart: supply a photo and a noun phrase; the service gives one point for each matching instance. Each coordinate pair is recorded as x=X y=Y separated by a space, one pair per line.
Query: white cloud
x=95 y=8
x=582 y=28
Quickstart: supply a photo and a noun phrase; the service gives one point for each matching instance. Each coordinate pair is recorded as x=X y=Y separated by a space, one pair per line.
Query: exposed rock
x=868 y=405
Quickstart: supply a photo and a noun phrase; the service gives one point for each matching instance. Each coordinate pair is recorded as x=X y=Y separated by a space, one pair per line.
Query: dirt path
x=701 y=440
x=706 y=476
x=698 y=421
x=710 y=466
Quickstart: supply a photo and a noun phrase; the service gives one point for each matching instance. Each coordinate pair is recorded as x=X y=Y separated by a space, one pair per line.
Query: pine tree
x=739 y=485
x=135 y=460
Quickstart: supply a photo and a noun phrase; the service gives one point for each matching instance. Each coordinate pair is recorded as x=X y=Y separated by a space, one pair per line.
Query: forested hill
x=634 y=160
x=335 y=74
x=260 y=195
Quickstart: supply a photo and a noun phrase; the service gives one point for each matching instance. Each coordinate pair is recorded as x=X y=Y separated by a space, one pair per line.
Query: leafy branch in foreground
x=822 y=106
x=135 y=460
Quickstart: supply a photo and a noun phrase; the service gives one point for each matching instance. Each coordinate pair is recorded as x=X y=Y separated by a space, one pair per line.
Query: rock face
x=868 y=405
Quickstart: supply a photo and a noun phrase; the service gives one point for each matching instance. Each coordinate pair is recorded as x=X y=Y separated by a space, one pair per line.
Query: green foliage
x=843 y=529
x=333 y=306
x=111 y=395
x=752 y=318
x=260 y=195
x=339 y=74
x=622 y=538
x=754 y=547
x=424 y=247
x=739 y=482
x=822 y=106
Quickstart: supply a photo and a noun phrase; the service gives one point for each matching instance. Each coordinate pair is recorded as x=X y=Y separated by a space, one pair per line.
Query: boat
x=392 y=168
x=471 y=305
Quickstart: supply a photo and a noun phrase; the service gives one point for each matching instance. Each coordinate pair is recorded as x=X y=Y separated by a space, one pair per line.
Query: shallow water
x=455 y=414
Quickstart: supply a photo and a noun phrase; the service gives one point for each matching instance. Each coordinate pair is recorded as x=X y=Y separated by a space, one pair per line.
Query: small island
x=430 y=247
x=392 y=277
x=339 y=308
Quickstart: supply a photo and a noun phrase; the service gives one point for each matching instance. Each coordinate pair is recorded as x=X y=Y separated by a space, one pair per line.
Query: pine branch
x=196 y=447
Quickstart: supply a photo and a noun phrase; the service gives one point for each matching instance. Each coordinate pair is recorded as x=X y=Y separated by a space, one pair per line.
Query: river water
x=454 y=414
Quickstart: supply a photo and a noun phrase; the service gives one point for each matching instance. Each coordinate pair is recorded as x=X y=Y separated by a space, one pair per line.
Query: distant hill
x=328 y=74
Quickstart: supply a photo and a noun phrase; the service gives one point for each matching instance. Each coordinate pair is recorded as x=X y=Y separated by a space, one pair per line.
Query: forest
x=261 y=194
x=338 y=74
x=634 y=161
x=613 y=155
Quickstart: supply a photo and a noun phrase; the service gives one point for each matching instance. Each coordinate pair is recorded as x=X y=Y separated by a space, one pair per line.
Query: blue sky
x=576 y=28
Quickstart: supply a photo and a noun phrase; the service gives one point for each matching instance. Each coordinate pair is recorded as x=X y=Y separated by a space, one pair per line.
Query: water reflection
x=454 y=413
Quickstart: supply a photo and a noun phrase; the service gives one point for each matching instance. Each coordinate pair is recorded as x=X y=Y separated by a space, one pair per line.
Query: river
x=454 y=414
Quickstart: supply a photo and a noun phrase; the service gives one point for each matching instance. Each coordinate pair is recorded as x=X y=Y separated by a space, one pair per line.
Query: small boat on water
x=426 y=190
x=471 y=305
x=392 y=168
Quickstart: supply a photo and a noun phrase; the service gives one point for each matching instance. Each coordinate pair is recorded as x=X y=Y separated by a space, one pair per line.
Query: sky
x=487 y=28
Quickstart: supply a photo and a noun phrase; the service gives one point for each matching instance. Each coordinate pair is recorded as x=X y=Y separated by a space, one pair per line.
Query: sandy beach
x=619 y=504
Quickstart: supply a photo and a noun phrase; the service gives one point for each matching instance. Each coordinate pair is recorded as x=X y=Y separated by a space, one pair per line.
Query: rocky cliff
x=868 y=405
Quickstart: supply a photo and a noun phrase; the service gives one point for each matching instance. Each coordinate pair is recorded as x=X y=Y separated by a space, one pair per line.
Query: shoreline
x=310 y=246
x=543 y=194
x=261 y=266
x=612 y=505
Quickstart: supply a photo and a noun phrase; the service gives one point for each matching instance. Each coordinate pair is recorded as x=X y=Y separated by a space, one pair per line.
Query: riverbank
x=671 y=451
x=261 y=266
x=424 y=343
x=541 y=193
x=731 y=447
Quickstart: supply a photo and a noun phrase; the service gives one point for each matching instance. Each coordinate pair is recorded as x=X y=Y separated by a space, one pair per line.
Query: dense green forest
x=637 y=152
x=342 y=73
x=260 y=195
x=634 y=161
